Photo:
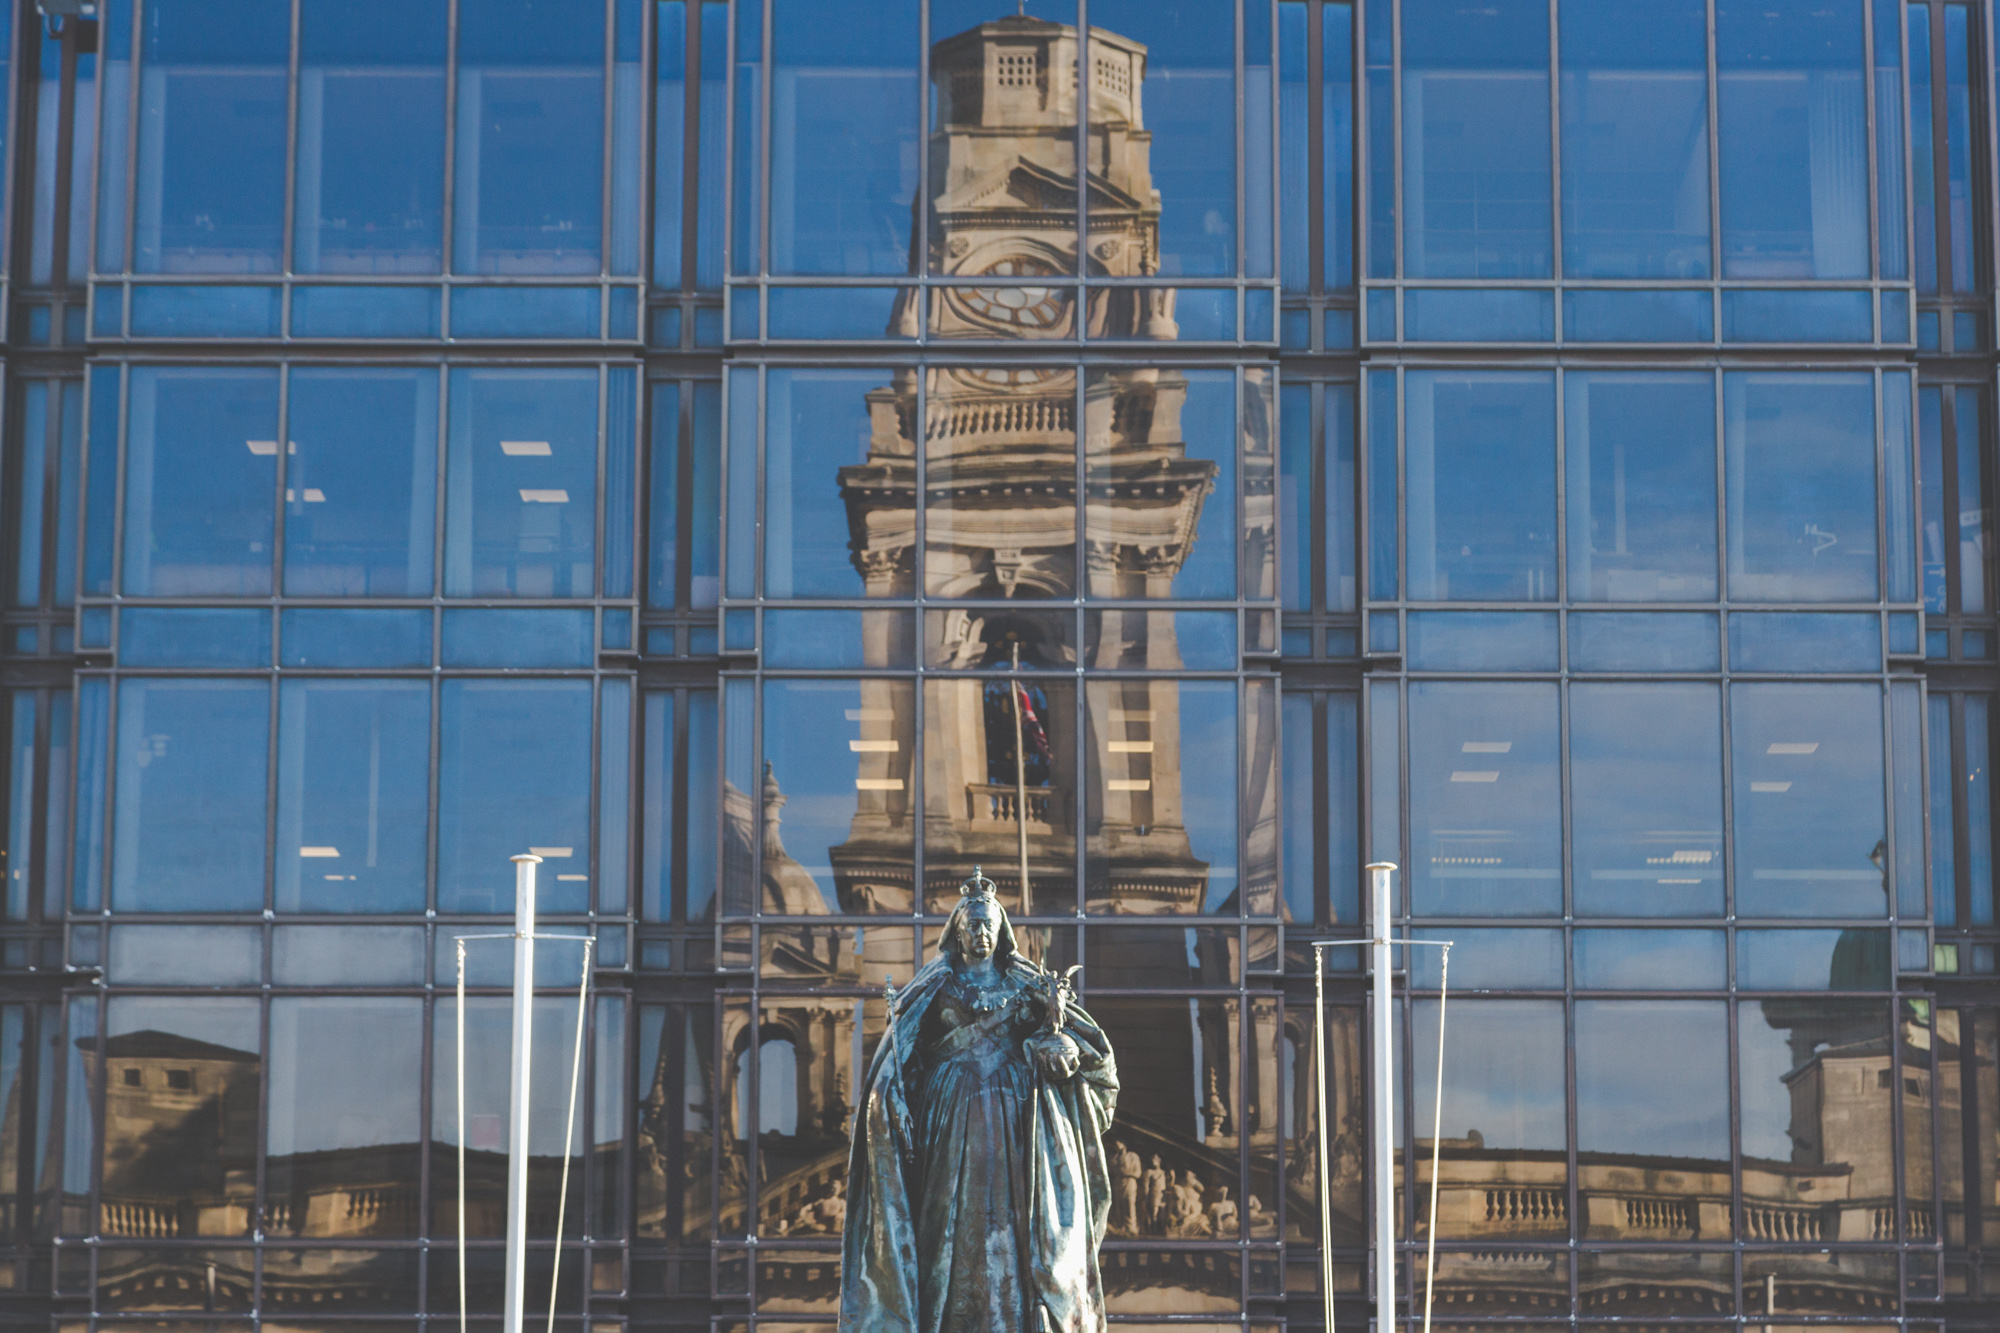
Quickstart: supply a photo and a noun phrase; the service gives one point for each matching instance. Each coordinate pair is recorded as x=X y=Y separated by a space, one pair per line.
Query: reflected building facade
x=772 y=458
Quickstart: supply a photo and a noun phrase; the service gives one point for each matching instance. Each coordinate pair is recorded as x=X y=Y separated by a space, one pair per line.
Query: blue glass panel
x=1905 y=634
x=746 y=251
x=529 y=162
x=69 y=480
x=1383 y=632
x=615 y=631
x=1638 y=317
x=1812 y=959
x=1341 y=534
x=186 y=955
x=107 y=311
x=657 y=838
x=614 y=767
x=1930 y=453
x=1485 y=822
x=835 y=751
x=93 y=784
x=347 y=956
x=669 y=138
x=201 y=468
x=1923 y=160
x=1808 y=642
x=115 y=43
x=159 y=637
x=705 y=545
x=1646 y=799
x=513 y=776
x=206 y=312
x=1973 y=512
x=710 y=147
x=621 y=319
x=366 y=312
x=1295 y=330
x=1635 y=139
x=1340 y=327
x=524 y=312
x=1381 y=312
x=1652 y=960
x=842 y=312
x=1927 y=331
x=1483 y=959
x=311 y=636
x=628 y=120
x=1257 y=308
x=1793 y=133
x=1295 y=496
x=1800 y=457
x=32 y=447
x=1476 y=188
x=361 y=482
x=1895 y=316
x=96 y=627
x=353 y=794
x=621 y=463
x=744 y=317
x=703 y=787
x=1906 y=735
x=1979 y=808
x=1632 y=1104
x=1343 y=801
x=1797 y=317
x=1294 y=107
x=1383 y=482
x=663 y=508
x=189 y=824
x=1808 y=775
x=837 y=639
x=479 y=638
x=212 y=111
x=1891 y=233
x=1958 y=132
x=1478 y=315
x=1937 y=643
x=1190 y=314
x=1481 y=485
x=1337 y=119
x=1206 y=640
x=1378 y=55
x=20 y=802
x=1259 y=168
x=371 y=137
x=818 y=428
x=1644 y=641
x=739 y=630
x=1639 y=449
x=521 y=500
x=708 y=326
x=1944 y=821
x=844 y=130
x=742 y=482
x=1180 y=85
x=1483 y=641
x=1301 y=819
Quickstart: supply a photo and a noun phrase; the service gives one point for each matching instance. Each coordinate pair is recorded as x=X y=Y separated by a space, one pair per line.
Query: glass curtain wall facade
x=772 y=457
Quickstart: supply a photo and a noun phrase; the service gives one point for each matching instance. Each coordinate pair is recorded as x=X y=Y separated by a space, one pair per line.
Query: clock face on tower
x=1019 y=310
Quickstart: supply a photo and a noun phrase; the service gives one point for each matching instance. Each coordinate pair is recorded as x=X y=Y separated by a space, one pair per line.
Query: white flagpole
x=1385 y=1107
x=517 y=1137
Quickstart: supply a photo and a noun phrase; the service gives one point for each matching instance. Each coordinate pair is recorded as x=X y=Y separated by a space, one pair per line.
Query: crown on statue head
x=978 y=887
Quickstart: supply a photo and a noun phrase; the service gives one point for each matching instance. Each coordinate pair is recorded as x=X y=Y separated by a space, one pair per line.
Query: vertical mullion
x=132 y=149
x=449 y=220
x=290 y=210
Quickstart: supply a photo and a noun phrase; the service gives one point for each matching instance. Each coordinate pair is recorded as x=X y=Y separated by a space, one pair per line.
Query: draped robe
x=977 y=1190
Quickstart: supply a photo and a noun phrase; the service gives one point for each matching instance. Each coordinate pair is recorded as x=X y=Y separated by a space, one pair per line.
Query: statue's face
x=981 y=930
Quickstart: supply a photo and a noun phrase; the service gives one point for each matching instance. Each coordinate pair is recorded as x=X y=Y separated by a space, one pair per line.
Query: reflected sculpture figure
x=978 y=1190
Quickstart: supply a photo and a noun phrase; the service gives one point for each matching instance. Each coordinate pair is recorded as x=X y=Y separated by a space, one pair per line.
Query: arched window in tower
x=777 y=1087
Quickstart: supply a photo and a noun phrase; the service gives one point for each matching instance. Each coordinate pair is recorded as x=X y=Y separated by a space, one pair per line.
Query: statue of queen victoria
x=977 y=1192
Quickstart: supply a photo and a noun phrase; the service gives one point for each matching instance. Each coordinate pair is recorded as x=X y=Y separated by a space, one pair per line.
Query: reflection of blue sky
x=1646 y=798
x=1208 y=780
x=816 y=422
x=1484 y=798
x=1808 y=794
x=1208 y=424
x=807 y=727
x=1503 y=1071
x=1652 y=1076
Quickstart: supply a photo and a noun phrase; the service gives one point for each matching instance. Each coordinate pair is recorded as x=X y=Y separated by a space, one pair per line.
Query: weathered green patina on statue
x=977 y=1188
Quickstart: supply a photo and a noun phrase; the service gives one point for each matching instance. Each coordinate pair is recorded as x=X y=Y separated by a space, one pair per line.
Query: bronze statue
x=977 y=1188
